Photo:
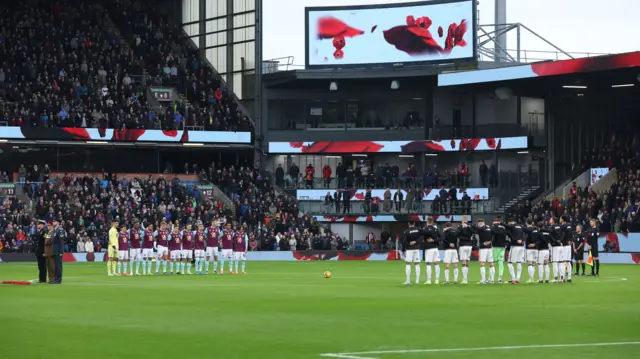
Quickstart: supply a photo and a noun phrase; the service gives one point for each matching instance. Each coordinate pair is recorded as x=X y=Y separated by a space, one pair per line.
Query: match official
x=592 y=241
x=412 y=240
x=38 y=239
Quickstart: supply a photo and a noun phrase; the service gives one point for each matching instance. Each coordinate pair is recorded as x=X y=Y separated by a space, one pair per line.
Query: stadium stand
x=63 y=65
x=170 y=60
x=616 y=208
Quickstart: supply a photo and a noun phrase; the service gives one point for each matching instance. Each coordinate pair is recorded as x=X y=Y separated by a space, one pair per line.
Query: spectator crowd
x=62 y=65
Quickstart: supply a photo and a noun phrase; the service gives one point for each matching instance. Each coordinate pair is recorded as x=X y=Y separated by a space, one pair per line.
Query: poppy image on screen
x=413 y=32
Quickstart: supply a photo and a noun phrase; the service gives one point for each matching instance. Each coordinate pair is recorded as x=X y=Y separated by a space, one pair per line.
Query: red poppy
x=296 y=144
x=338 y=54
x=422 y=146
x=491 y=142
x=455 y=36
x=330 y=27
x=635 y=257
x=472 y=144
x=127 y=134
x=78 y=133
x=170 y=133
x=339 y=43
x=412 y=40
x=411 y=21
x=393 y=256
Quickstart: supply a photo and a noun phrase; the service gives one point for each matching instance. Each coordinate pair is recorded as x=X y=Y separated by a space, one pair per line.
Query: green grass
x=288 y=310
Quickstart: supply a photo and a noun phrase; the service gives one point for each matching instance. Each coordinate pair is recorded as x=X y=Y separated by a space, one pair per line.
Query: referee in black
x=578 y=249
x=38 y=239
x=592 y=241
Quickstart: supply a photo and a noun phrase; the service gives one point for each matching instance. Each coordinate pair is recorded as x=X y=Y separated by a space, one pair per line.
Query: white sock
x=158 y=265
x=437 y=266
x=555 y=270
x=540 y=272
x=417 y=273
x=492 y=274
x=164 y=265
x=455 y=274
x=407 y=270
x=483 y=274
x=446 y=274
x=531 y=272
x=518 y=271
x=465 y=273
x=428 y=272
x=547 y=271
x=569 y=270
x=511 y=271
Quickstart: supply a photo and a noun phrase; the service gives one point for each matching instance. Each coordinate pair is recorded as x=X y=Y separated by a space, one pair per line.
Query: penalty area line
x=366 y=355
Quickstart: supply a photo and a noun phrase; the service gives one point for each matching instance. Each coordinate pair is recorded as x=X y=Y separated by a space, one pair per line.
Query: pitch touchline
x=358 y=355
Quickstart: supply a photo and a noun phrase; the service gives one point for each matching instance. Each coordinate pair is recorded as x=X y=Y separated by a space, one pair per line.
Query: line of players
x=178 y=248
x=536 y=244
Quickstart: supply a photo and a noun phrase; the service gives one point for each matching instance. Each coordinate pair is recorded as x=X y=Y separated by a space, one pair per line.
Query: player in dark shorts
x=578 y=250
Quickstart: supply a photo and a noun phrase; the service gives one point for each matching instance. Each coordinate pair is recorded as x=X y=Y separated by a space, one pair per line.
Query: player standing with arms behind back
x=240 y=249
x=533 y=237
x=450 y=243
x=516 y=253
x=431 y=252
x=147 y=250
x=465 y=241
x=187 y=249
x=213 y=233
x=485 y=254
x=136 y=248
x=113 y=248
x=227 y=248
x=162 y=244
x=567 y=248
x=175 y=251
x=123 y=250
x=545 y=239
x=198 y=253
x=411 y=242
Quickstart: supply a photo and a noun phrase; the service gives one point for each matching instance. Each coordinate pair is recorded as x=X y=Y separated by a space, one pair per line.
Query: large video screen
x=390 y=34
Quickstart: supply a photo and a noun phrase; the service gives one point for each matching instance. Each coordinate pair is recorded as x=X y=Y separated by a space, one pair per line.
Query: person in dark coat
x=38 y=239
x=57 y=241
x=48 y=252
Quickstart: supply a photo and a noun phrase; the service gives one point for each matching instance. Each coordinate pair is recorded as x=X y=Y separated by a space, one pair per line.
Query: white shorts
x=412 y=256
x=465 y=253
x=532 y=255
x=432 y=255
x=556 y=254
x=485 y=255
x=516 y=254
x=162 y=251
x=240 y=256
x=147 y=252
x=543 y=255
x=136 y=253
x=175 y=254
x=227 y=254
x=450 y=256
x=212 y=252
x=123 y=255
x=187 y=253
x=566 y=253
x=199 y=253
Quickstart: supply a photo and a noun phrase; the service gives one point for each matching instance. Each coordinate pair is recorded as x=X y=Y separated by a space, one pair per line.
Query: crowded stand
x=170 y=60
x=86 y=205
x=617 y=209
x=63 y=66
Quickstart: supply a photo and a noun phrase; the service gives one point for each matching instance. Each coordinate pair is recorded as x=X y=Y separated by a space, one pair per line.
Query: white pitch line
x=358 y=355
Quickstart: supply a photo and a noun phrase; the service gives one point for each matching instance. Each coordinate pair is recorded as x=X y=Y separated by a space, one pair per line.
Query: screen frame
x=307 y=10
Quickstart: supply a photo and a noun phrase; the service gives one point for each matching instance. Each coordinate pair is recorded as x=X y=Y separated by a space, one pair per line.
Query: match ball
x=327 y=274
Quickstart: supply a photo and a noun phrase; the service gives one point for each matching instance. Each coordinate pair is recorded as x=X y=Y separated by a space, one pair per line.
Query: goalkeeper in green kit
x=499 y=242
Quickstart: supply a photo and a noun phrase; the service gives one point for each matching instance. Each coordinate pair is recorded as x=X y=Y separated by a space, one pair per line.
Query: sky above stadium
x=576 y=26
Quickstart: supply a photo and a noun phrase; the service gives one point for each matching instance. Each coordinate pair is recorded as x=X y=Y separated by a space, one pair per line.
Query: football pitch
x=287 y=310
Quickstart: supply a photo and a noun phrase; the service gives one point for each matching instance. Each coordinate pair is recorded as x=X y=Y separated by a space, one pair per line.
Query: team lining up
x=178 y=248
x=536 y=244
